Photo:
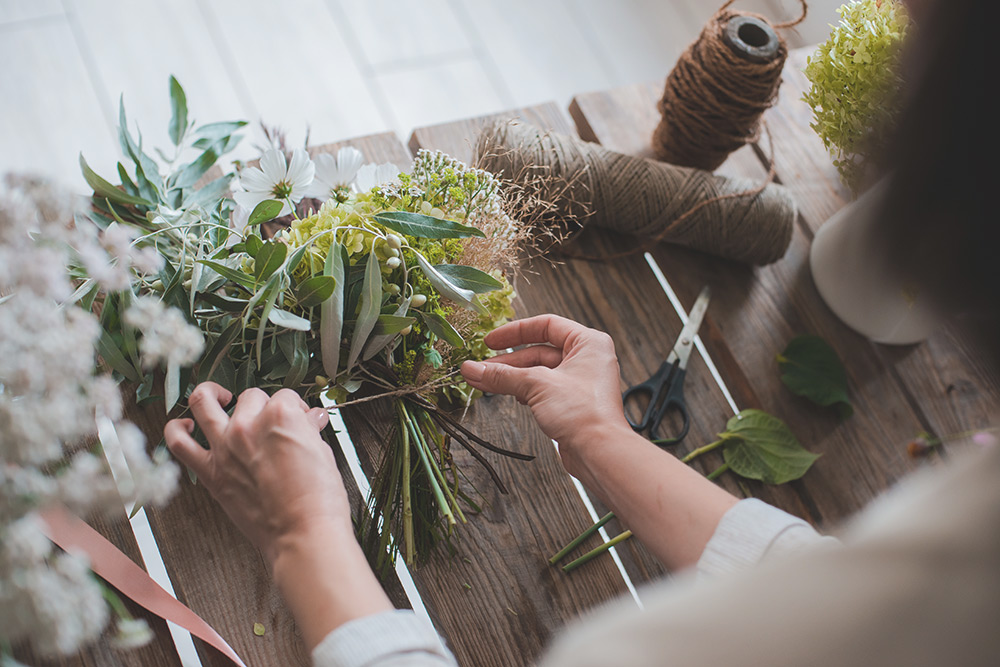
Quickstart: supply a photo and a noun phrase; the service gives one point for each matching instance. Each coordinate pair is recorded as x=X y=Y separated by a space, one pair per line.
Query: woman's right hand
x=568 y=375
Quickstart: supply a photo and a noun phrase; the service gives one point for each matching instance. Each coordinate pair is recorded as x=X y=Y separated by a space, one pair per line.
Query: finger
x=499 y=378
x=249 y=404
x=536 y=355
x=207 y=402
x=177 y=433
x=550 y=329
x=319 y=417
x=290 y=398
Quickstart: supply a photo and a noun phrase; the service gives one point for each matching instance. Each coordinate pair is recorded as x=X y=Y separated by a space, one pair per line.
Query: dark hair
x=942 y=225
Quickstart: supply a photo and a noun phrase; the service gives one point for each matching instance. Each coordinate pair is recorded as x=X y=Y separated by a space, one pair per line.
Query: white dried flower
x=132 y=633
x=166 y=335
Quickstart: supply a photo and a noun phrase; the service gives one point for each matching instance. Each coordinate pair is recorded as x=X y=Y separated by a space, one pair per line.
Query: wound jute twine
x=735 y=218
x=722 y=83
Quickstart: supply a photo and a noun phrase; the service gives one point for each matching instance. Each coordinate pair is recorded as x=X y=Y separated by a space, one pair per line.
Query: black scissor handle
x=673 y=401
x=654 y=388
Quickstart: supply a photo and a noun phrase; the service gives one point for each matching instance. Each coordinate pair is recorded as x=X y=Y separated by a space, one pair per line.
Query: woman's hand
x=278 y=481
x=267 y=465
x=568 y=376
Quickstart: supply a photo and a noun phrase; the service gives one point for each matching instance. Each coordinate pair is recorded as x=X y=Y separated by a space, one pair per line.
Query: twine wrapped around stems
x=740 y=219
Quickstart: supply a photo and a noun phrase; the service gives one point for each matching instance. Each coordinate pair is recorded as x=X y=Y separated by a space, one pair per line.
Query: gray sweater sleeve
x=390 y=639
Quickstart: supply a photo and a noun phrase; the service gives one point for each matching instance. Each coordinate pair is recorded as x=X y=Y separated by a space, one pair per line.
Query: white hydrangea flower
x=276 y=180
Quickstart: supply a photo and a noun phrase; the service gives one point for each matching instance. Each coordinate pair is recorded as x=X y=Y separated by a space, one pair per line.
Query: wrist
x=581 y=451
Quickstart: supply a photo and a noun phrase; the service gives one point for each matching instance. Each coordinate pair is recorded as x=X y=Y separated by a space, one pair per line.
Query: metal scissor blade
x=682 y=348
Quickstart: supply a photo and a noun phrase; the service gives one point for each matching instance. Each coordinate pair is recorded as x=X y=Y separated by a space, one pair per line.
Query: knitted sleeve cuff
x=388 y=639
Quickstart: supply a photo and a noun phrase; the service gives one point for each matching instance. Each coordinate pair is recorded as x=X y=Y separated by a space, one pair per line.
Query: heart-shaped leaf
x=810 y=368
x=425 y=226
x=760 y=446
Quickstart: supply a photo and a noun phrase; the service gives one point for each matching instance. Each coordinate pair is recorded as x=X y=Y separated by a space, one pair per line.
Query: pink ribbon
x=108 y=562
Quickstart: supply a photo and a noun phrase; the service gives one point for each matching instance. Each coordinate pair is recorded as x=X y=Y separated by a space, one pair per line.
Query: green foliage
x=812 y=369
x=855 y=76
x=760 y=446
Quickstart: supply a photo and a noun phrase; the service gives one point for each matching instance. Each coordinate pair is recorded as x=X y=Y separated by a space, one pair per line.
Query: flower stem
x=428 y=467
x=569 y=567
x=715 y=474
x=705 y=449
x=408 y=541
x=584 y=535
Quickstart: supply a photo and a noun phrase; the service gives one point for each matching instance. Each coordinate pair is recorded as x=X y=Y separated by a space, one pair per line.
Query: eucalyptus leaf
x=212 y=133
x=447 y=289
x=300 y=361
x=441 y=328
x=371 y=301
x=104 y=189
x=207 y=195
x=235 y=275
x=219 y=350
x=762 y=447
x=469 y=278
x=269 y=258
x=331 y=321
x=178 y=117
x=147 y=172
x=264 y=211
x=265 y=316
x=425 y=226
x=246 y=377
x=811 y=368
x=190 y=173
x=226 y=303
x=253 y=244
x=386 y=329
x=113 y=357
x=283 y=318
x=315 y=290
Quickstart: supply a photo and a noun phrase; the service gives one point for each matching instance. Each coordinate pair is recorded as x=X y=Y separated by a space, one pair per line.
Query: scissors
x=665 y=390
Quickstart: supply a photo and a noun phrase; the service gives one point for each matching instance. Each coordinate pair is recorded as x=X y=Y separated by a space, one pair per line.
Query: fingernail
x=473 y=370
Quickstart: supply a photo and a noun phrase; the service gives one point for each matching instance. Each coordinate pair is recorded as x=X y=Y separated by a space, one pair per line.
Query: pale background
x=342 y=68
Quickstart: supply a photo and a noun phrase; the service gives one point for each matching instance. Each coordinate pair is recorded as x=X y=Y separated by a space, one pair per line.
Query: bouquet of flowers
x=375 y=283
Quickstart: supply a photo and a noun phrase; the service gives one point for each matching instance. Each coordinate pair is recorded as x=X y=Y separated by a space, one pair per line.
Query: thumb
x=499 y=378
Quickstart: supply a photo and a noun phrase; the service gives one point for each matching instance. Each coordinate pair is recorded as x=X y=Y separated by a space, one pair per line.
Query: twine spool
x=738 y=219
x=722 y=83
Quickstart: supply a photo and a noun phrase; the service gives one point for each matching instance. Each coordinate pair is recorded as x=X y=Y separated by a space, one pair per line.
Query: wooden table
x=497 y=601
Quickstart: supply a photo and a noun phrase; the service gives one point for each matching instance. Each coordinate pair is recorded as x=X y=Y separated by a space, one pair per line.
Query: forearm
x=325 y=580
x=672 y=508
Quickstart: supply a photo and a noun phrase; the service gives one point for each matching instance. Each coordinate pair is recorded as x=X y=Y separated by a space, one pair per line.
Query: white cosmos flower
x=276 y=180
x=333 y=174
x=372 y=175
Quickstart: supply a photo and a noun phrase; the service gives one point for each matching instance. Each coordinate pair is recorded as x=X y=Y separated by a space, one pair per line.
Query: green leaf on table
x=179 y=112
x=315 y=290
x=106 y=190
x=265 y=211
x=425 y=226
x=331 y=319
x=371 y=302
x=269 y=258
x=441 y=328
x=283 y=318
x=762 y=447
x=810 y=368
x=469 y=278
x=447 y=289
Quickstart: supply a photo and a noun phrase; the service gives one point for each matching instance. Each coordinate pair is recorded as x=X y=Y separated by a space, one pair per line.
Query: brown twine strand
x=714 y=97
x=736 y=218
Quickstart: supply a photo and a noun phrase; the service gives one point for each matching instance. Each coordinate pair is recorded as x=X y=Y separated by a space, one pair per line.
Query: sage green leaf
x=246 y=377
x=179 y=114
x=225 y=303
x=190 y=173
x=441 y=328
x=294 y=259
x=219 y=350
x=253 y=244
x=760 y=446
x=208 y=195
x=283 y=318
x=235 y=275
x=264 y=211
x=386 y=329
x=300 y=361
x=113 y=357
x=447 y=289
x=147 y=172
x=469 y=278
x=810 y=368
x=314 y=291
x=425 y=226
x=269 y=258
x=210 y=134
x=104 y=189
x=265 y=316
x=371 y=301
x=331 y=318
x=171 y=385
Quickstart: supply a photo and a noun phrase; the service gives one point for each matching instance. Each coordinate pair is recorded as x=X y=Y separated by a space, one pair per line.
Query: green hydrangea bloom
x=855 y=76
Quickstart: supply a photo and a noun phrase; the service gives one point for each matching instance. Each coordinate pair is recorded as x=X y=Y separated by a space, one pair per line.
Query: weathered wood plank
x=757 y=311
